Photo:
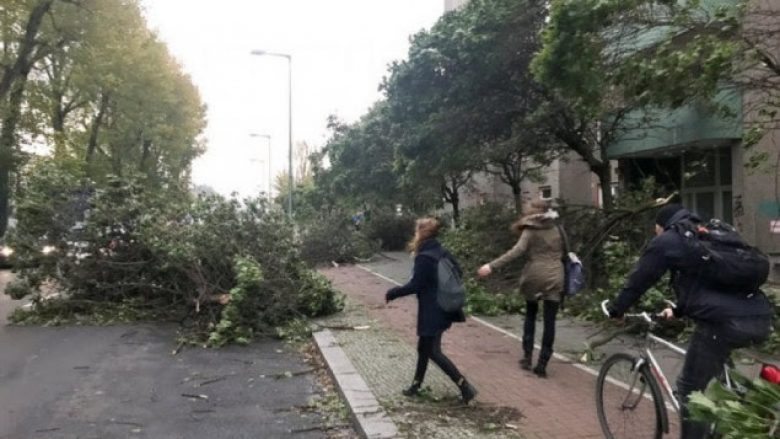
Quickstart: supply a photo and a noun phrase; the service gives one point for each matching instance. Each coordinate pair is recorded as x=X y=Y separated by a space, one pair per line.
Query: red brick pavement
x=560 y=407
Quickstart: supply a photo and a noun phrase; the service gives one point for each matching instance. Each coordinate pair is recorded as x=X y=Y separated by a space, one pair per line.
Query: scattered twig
x=178 y=349
x=192 y=396
x=288 y=374
x=345 y=327
x=320 y=428
x=47 y=430
x=132 y=424
x=212 y=381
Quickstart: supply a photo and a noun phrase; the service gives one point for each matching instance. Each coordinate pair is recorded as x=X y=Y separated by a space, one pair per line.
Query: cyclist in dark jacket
x=724 y=320
x=432 y=321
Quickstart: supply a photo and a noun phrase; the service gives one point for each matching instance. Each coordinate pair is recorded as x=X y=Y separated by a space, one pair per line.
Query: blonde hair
x=535 y=207
x=425 y=228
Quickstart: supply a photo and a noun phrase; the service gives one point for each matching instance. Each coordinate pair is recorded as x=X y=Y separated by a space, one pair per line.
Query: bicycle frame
x=648 y=357
x=655 y=368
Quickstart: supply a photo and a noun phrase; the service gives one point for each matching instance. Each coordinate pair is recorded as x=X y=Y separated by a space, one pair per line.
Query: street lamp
x=289 y=107
x=270 y=171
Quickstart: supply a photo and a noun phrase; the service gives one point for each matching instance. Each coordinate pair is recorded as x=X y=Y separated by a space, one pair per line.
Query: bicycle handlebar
x=643 y=315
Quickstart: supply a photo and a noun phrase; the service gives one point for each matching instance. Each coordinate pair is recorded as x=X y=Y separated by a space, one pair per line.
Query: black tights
x=430 y=348
x=548 y=336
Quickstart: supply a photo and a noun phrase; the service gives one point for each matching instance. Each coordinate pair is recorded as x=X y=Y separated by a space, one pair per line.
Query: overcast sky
x=340 y=49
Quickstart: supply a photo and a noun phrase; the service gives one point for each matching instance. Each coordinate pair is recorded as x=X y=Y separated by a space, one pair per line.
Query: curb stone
x=371 y=419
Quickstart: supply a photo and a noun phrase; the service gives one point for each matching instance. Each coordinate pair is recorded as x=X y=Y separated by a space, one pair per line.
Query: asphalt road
x=124 y=382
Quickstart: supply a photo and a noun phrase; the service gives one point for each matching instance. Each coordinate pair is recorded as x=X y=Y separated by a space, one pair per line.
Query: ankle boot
x=525 y=362
x=413 y=390
x=467 y=391
x=541 y=366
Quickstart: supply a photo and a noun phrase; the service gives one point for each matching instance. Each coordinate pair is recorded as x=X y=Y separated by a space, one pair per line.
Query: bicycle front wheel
x=628 y=400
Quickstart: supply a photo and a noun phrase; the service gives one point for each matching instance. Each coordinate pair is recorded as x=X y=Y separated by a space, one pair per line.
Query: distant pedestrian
x=432 y=320
x=542 y=277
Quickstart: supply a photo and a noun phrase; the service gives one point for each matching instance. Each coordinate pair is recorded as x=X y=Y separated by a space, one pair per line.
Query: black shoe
x=525 y=363
x=467 y=392
x=413 y=390
x=541 y=370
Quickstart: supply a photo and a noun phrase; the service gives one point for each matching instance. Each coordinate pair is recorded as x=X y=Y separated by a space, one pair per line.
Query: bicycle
x=635 y=387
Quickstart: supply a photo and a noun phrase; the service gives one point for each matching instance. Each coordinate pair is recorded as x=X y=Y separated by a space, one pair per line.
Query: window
x=706 y=183
x=545 y=192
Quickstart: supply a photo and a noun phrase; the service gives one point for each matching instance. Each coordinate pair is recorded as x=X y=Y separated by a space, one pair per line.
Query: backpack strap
x=564 y=243
x=564 y=259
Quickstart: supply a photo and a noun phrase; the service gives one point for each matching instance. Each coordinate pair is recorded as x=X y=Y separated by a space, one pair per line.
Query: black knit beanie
x=666 y=213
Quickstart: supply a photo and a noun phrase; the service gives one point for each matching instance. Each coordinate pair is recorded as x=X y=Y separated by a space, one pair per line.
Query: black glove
x=391 y=294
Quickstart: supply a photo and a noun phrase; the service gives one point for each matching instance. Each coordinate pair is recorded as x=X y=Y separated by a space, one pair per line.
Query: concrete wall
x=577 y=184
x=757 y=192
x=757 y=198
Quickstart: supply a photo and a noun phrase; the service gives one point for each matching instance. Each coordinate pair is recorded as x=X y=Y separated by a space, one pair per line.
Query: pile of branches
x=166 y=253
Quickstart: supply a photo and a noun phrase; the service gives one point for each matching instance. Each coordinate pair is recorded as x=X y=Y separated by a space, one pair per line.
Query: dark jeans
x=709 y=348
x=548 y=336
x=429 y=348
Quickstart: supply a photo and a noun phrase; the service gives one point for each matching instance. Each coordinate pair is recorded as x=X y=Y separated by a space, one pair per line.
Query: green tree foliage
x=585 y=45
x=750 y=414
x=100 y=88
x=602 y=56
x=464 y=97
x=362 y=160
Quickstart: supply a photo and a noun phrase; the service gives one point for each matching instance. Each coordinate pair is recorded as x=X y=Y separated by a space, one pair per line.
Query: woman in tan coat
x=542 y=277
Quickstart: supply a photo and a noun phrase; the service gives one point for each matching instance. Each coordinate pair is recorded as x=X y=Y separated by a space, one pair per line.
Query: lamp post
x=270 y=171
x=289 y=107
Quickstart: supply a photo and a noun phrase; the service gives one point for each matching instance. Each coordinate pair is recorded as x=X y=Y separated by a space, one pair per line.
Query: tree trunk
x=452 y=196
x=5 y=192
x=517 y=194
x=604 y=173
x=8 y=145
x=455 y=202
x=24 y=60
x=143 y=165
x=97 y=121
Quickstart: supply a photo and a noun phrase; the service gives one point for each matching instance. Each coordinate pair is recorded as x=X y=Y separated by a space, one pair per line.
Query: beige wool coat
x=541 y=243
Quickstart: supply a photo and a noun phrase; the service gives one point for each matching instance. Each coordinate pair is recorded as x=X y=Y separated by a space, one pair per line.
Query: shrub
x=483 y=235
x=333 y=237
x=392 y=231
x=162 y=251
x=481 y=301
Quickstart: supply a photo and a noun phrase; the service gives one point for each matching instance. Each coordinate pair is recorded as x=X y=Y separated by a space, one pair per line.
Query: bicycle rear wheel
x=628 y=400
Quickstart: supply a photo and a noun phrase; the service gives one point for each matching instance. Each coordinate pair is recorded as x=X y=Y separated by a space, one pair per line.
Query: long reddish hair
x=425 y=228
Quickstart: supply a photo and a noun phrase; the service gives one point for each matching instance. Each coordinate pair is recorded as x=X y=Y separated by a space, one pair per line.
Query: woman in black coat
x=432 y=321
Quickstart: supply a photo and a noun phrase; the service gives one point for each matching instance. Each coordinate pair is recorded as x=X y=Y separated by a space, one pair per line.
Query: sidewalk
x=386 y=362
x=561 y=407
x=486 y=349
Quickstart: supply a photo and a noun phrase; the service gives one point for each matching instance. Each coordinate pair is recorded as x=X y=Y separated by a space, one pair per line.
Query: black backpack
x=450 y=291
x=726 y=262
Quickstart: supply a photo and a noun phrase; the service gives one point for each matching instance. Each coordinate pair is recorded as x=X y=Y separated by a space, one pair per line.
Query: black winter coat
x=668 y=252
x=431 y=319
